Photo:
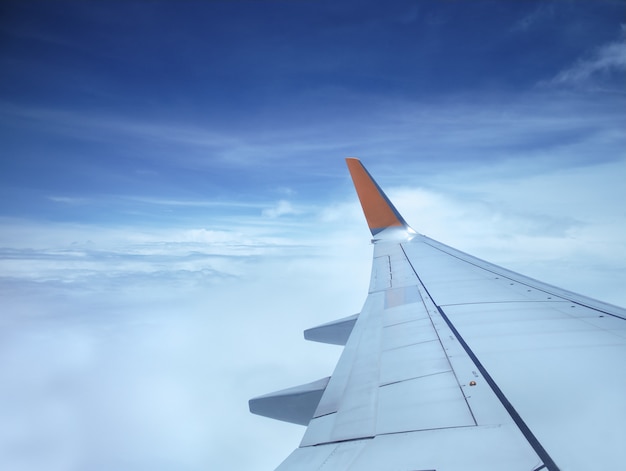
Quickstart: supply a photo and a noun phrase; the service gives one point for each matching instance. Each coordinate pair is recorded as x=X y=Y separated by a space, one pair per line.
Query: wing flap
x=484 y=448
x=428 y=402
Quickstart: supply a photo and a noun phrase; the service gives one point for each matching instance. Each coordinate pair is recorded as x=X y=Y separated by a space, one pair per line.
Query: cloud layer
x=126 y=348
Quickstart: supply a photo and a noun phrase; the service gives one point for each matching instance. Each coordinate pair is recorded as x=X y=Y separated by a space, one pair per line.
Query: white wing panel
x=336 y=456
x=430 y=402
x=407 y=333
x=320 y=430
x=574 y=350
x=465 y=448
x=413 y=361
x=449 y=449
x=432 y=274
x=381 y=274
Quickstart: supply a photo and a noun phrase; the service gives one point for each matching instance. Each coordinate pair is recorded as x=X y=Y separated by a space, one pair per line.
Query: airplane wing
x=458 y=364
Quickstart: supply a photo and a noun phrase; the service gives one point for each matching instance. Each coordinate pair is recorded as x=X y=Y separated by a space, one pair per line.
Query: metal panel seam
x=415 y=377
x=372 y=437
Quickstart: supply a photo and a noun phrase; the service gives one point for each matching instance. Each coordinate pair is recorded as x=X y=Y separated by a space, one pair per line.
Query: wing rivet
x=472 y=383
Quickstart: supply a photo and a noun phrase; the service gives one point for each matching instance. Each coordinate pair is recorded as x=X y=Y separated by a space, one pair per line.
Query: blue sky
x=175 y=208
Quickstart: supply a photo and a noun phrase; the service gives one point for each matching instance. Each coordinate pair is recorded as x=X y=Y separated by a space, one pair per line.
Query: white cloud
x=127 y=349
x=281 y=208
x=68 y=200
x=461 y=130
x=147 y=365
x=608 y=59
x=535 y=17
x=193 y=203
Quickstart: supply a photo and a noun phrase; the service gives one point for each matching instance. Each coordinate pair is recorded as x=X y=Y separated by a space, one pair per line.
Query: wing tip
x=380 y=213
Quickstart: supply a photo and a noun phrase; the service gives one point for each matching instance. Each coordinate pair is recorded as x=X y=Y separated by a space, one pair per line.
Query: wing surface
x=455 y=363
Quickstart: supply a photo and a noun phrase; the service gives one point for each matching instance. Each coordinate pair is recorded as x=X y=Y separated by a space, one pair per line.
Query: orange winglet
x=379 y=211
